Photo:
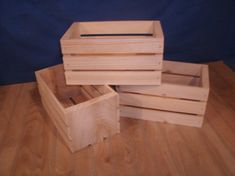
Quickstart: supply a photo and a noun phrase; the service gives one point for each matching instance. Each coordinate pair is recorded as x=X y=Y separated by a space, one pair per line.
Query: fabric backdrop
x=195 y=30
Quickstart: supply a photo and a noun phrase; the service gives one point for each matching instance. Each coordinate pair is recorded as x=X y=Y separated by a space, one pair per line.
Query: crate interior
x=182 y=74
x=139 y=29
x=69 y=95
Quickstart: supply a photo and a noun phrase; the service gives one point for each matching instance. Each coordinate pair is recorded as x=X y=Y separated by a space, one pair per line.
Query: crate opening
x=117 y=35
x=114 y=29
x=69 y=95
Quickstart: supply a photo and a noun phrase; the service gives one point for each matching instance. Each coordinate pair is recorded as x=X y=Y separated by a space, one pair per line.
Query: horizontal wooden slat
x=182 y=68
x=116 y=27
x=163 y=103
x=169 y=90
x=113 y=62
x=91 y=91
x=104 y=89
x=113 y=77
x=181 y=80
x=116 y=45
x=161 y=116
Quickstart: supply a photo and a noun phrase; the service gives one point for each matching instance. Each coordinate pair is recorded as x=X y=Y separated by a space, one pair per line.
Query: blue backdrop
x=195 y=30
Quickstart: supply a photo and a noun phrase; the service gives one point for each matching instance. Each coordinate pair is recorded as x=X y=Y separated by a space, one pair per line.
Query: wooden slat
x=113 y=62
x=169 y=90
x=162 y=103
x=113 y=77
x=116 y=27
x=182 y=68
x=112 y=46
x=103 y=89
x=91 y=91
x=181 y=80
x=161 y=116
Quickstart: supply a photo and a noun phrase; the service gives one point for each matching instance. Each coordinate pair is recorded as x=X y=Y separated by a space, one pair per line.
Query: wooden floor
x=30 y=145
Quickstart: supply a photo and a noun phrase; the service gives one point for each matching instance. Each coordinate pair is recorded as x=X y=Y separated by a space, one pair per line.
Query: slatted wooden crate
x=83 y=115
x=180 y=99
x=115 y=53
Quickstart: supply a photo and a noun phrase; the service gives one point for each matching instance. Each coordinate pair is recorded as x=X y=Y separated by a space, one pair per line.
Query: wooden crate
x=115 y=53
x=83 y=115
x=180 y=99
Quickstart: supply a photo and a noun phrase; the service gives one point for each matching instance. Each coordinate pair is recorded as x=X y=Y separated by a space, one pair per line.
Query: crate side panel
x=161 y=116
x=116 y=27
x=163 y=103
x=169 y=90
x=182 y=68
x=92 y=122
x=113 y=62
x=112 y=46
x=113 y=77
x=45 y=92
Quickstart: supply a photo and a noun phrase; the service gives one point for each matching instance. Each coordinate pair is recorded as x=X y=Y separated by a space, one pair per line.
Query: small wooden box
x=180 y=99
x=115 y=53
x=83 y=115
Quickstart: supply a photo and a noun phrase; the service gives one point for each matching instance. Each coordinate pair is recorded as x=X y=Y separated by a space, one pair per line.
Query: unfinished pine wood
x=71 y=44
x=31 y=145
x=113 y=77
x=113 y=62
x=112 y=52
x=163 y=103
x=161 y=116
x=184 y=91
x=83 y=115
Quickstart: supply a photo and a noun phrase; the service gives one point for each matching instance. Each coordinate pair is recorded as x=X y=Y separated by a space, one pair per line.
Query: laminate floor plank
x=13 y=134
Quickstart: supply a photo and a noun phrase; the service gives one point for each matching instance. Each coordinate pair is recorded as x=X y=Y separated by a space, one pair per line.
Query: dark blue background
x=195 y=30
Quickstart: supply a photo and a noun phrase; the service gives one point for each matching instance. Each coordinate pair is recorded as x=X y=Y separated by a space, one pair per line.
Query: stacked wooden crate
x=128 y=54
x=114 y=53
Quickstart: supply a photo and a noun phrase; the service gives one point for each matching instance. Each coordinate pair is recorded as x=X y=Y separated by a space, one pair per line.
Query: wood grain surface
x=30 y=144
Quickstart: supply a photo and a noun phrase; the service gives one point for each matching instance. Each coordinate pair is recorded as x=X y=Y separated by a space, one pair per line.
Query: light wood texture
x=116 y=27
x=129 y=50
x=71 y=44
x=83 y=115
x=168 y=101
x=113 y=62
x=113 y=77
x=31 y=145
x=163 y=103
x=161 y=116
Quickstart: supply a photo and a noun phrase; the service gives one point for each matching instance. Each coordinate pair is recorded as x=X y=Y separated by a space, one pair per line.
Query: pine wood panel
x=113 y=52
x=31 y=145
x=168 y=102
x=80 y=122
